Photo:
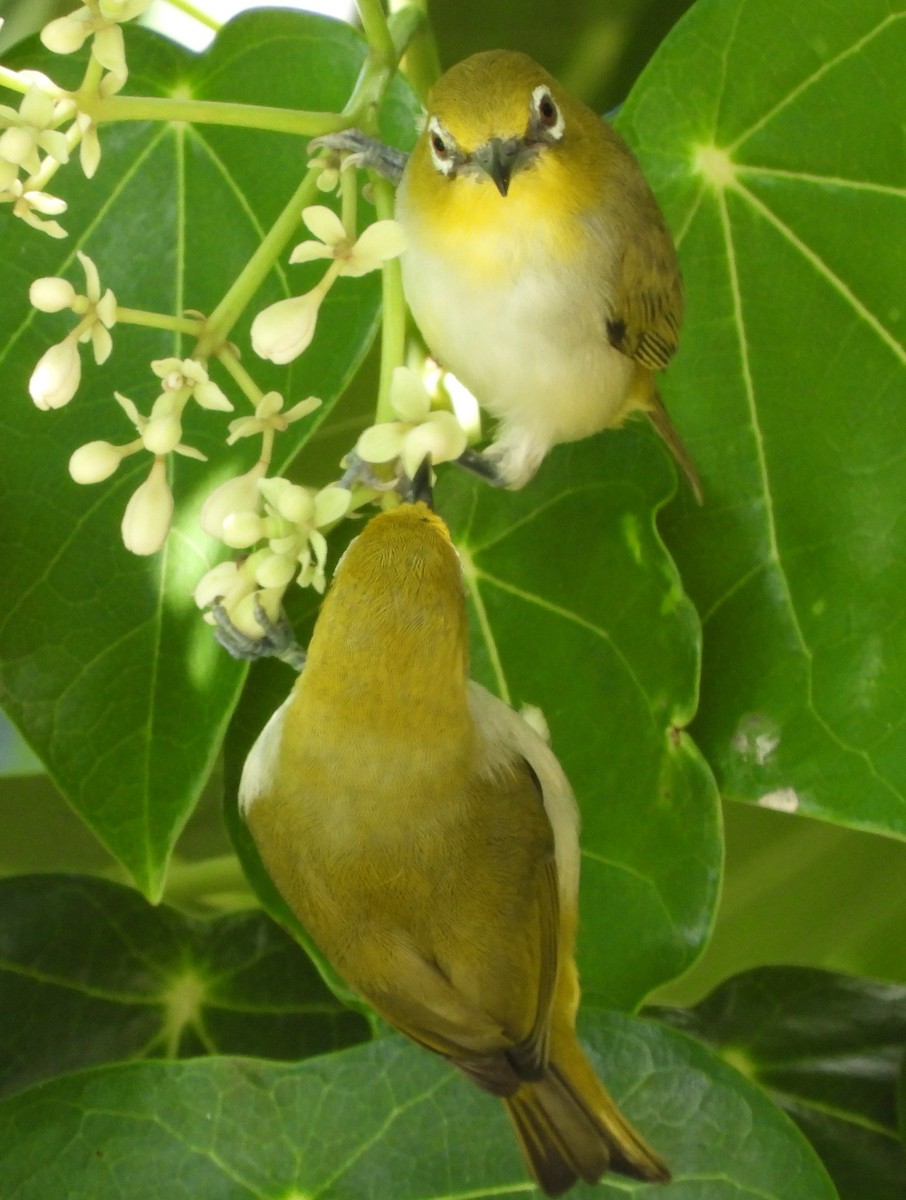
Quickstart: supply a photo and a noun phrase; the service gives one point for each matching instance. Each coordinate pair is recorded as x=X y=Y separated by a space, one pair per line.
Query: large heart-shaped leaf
x=384 y=1120
x=106 y=665
x=774 y=137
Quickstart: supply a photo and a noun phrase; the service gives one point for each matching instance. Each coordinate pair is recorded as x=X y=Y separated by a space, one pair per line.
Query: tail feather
x=568 y=1132
x=660 y=419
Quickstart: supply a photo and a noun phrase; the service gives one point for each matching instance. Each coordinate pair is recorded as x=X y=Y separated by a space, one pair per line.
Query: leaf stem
x=252 y=275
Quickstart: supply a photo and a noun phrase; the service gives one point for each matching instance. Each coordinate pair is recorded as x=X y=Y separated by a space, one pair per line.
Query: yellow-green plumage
x=556 y=302
x=426 y=837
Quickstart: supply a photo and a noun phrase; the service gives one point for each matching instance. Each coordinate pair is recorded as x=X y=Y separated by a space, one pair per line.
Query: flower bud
x=282 y=331
x=94 y=461
x=241 y=529
x=149 y=513
x=51 y=294
x=65 y=35
x=55 y=379
x=277 y=571
x=239 y=494
x=161 y=435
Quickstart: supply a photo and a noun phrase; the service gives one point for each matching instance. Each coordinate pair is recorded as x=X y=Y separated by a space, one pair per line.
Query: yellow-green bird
x=538 y=267
x=427 y=838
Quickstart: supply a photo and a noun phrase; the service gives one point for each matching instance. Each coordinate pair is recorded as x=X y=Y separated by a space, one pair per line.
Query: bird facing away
x=538 y=267
x=427 y=838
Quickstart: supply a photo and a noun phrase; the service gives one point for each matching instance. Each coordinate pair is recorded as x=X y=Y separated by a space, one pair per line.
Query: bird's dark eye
x=439 y=145
x=547 y=110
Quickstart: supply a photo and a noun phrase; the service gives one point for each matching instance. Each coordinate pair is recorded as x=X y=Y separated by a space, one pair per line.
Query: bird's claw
x=277 y=640
x=365 y=151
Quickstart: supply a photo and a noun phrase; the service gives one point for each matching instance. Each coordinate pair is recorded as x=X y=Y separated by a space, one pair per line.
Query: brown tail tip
x=660 y=419
x=563 y=1140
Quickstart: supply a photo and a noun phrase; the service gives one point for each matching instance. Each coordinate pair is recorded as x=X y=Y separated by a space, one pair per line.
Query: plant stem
x=252 y=275
x=153 y=320
x=196 y=14
x=212 y=112
x=393 y=309
x=421 y=62
x=231 y=364
x=377 y=32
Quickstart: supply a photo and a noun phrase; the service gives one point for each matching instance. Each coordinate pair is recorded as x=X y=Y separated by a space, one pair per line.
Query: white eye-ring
x=442 y=146
x=547 y=114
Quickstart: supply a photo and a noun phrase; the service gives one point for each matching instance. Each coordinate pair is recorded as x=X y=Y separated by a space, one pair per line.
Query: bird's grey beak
x=419 y=486
x=500 y=159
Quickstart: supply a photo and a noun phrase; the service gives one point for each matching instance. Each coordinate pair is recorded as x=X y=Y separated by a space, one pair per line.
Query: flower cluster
x=27 y=131
x=419 y=432
x=149 y=512
x=99 y=20
x=35 y=128
x=277 y=526
x=295 y=547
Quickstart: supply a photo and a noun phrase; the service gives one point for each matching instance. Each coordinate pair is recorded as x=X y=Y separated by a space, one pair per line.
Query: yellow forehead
x=488 y=95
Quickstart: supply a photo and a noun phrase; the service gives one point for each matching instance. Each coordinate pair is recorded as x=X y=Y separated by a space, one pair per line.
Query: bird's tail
x=660 y=419
x=569 y=1129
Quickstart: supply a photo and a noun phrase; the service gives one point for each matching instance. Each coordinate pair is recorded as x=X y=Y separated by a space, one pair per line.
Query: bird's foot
x=277 y=640
x=363 y=151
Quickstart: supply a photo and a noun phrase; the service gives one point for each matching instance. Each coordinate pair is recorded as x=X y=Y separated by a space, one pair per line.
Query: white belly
x=528 y=341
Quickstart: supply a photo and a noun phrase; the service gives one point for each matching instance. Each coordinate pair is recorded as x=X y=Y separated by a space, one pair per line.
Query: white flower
x=32 y=129
x=28 y=203
x=419 y=431
x=149 y=513
x=188 y=377
x=269 y=415
x=100 y=18
x=162 y=429
x=239 y=494
x=55 y=380
x=380 y=241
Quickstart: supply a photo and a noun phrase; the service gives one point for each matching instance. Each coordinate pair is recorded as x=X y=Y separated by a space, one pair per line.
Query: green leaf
x=107 y=667
x=90 y=973
x=386 y=1119
x=774 y=140
x=828 y=1049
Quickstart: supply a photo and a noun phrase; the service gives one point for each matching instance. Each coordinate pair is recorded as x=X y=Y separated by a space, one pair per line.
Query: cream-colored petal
x=324 y=223
x=381 y=443
x=331 y=503
x=408 y=396
x=309 y=251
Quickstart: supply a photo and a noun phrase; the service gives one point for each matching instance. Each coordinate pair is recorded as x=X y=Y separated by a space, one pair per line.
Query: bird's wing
x=647 y=311
x=481 y=991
